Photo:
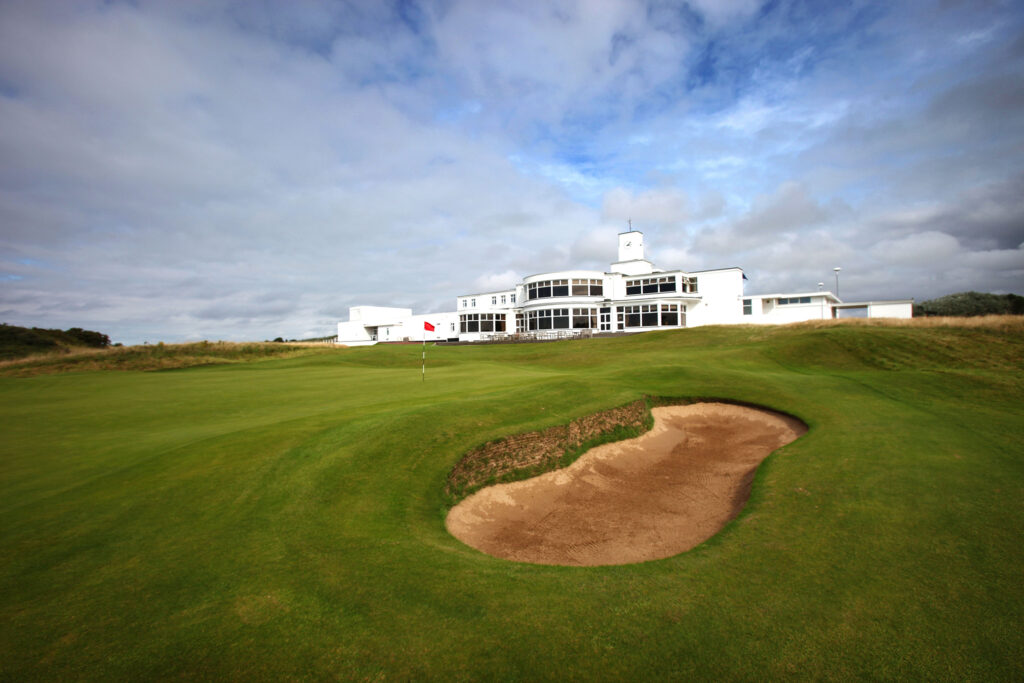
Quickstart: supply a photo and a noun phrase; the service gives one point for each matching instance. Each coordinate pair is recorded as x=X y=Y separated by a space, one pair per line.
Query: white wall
x=721 y=293
x=891 y=309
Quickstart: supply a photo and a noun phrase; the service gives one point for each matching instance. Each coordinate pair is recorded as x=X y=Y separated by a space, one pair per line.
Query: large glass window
x=482 y=322
x=587 y=287
x=544 y=289
x=651 y=285
x=748 y=309
x=649 y=315
x=690 y=284
x=584 y=318
x=548 y=319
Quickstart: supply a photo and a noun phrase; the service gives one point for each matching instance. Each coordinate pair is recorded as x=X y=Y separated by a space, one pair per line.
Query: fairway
x=284 y=518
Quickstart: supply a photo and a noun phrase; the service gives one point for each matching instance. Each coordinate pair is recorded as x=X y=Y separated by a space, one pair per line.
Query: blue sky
x=243 y=170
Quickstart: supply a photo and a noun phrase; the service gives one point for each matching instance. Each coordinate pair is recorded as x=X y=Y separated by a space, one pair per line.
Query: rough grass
x=155 y=357
x=1000 y=323
x=284 y=519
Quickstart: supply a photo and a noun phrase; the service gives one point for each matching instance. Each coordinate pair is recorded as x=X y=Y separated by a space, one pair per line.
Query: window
x=502 y=298
x=587 y=287
x=584 y=318
x=472 y=303
x=748 y=309
x=647 y=315
x=545 y=289
x=632 y=315
x=494 y=300
x=794 y=300
x=512 y=298
x=481 y=322
x=651 y=285
x=670 y=315
x=453 y=327
x=464 y=303
x=689 y=284
x=548 y=319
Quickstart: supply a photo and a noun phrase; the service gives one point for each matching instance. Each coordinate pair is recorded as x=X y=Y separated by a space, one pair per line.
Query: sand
x=631 y=501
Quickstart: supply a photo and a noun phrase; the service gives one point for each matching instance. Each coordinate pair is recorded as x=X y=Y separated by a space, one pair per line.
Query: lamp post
x=837 y=269
x=821 y=286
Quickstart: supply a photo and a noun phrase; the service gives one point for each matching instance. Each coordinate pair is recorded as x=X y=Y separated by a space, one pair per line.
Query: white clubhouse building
x=633 y=296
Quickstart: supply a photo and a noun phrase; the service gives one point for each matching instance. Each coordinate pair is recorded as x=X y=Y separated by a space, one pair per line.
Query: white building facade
x=632 y=296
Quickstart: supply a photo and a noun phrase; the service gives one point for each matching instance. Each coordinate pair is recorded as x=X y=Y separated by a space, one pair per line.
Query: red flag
x=428 y=327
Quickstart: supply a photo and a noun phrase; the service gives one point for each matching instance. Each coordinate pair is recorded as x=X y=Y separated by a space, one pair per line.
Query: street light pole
x=837 y=269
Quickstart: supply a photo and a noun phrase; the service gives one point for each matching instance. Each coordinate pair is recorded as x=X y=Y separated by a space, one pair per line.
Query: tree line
x=966 y=304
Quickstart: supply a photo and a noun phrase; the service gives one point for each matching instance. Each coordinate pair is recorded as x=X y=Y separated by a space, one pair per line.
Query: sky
x=176 y=171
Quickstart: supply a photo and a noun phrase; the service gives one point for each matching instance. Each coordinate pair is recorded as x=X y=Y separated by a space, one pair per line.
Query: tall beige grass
x=153 y=357
x=1000 y=323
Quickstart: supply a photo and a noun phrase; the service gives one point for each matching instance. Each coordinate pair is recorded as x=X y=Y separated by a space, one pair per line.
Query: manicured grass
x=285 y=518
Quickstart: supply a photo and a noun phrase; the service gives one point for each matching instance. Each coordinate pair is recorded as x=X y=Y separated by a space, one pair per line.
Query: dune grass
x=152 y=357
x=284 y=519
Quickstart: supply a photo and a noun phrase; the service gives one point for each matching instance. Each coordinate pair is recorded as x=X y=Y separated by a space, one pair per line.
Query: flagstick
x=424 y=371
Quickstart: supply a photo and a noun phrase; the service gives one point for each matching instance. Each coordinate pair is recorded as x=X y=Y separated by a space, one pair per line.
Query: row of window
x=651 y=285
x=794 y=300
x=562 y=319
x=589 y=318
x=471 y=303
x=650 y=315
x=664 y=283
x=546 y=289
x=482 y=322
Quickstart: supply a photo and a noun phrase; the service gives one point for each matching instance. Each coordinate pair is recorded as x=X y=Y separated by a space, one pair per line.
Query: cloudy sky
x=244 y=170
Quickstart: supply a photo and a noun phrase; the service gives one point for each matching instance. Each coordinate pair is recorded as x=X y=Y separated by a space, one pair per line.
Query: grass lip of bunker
x=642 y=499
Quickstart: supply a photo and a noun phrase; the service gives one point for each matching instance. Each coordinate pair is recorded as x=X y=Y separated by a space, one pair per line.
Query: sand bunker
x=630 y=501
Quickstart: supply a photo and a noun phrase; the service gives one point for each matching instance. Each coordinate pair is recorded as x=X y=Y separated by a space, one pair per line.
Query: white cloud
x=666 y=206
x=496 y=281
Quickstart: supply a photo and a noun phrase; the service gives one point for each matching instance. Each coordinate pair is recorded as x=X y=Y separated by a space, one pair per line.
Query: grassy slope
x=285 y=518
